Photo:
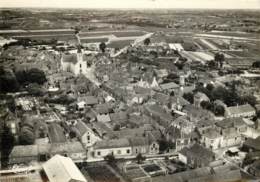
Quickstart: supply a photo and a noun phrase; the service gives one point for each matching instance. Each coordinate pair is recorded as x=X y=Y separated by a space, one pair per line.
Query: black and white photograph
x=129 y=90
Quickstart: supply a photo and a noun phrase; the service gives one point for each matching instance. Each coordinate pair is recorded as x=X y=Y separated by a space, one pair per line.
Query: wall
x=105 y=152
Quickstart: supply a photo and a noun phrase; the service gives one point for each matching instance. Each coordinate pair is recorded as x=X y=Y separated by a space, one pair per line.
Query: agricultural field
x=99 y=173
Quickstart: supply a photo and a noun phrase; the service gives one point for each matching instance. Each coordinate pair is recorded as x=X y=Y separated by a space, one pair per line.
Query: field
x=115 y=33
x=100 y=174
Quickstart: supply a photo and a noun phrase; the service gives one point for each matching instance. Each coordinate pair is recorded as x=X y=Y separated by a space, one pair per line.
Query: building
x=74 y=150
x=199 y=97
x=75 y=63
x=21 y=154
x=196 y=156
x=56 y=133
x=60 y=168
x=178 y=137
x=169 y=87
x=85 y=134
x=117 y=147
x=240 y=111
x=211 y=139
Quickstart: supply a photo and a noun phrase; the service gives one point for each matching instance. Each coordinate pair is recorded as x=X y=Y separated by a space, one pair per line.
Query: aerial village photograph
x=129 y=90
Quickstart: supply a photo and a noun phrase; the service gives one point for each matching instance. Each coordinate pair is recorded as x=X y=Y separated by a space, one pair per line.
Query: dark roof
x=119 y=44
x=119 y=117
x=103 y=108
x=230 y=122
x=56 y=133
x=70 y=58
x=80 y=128
x=240 y=109
x=253 y=143
x=116 y=143
x=138 y=141
x=160 y=112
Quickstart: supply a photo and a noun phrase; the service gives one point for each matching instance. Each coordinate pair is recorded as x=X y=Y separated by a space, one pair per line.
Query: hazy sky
x=217 y=4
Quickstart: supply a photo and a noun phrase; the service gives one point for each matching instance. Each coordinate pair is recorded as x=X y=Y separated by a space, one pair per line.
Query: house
x=139 y=145
x=231 y=130
x=240 y=111
x=117 y=147
x=88 y=100
x=199 y=97
x=178 y=102
x=104 y=118
x=158 y=113
x=85 y=134
x=252 y=144
x=60 y=168
x=101 y=129
x=119 y=117
x=169 y=87
x=196 y=156
x=178 y=137
x=21 y=154
x=74 y=150
x=211 y=139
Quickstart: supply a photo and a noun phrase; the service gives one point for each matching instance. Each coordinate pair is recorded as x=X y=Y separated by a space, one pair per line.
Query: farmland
x=100 y=174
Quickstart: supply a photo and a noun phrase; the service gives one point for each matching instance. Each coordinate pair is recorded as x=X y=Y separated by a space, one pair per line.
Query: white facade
x=89 y=139
x=78 y=66
x=117 y=152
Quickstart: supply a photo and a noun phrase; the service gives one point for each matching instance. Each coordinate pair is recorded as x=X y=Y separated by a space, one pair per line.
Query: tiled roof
x=116 y=143
x=240 y=109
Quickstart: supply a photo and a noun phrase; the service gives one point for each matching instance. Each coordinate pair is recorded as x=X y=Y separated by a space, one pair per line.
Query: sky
x=135 y=4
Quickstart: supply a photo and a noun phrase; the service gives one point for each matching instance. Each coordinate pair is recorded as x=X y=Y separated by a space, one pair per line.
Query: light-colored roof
x=240 y=109
x=117 y=143
x=170 y=85
x=63 y=169
x=103 y=118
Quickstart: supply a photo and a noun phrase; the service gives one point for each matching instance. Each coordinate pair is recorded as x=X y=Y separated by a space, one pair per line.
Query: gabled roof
x=56 y=134
x=240 y=109
x=81 y=128
x=115 y=143
x=167 y=86
x=138 y=141
x=230 y=122
x=119 y=117
x=67 y=147
x=63 y=169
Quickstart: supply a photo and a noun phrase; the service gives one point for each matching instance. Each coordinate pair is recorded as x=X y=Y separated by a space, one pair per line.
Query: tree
x=147 y=41
x=33 y=75
x=219 y=110
x=35 y=89
x=110 y=158
x=8 y=81
x=117 y=127
x=256 y=64
x=26 y=136
x=189 y=97
x=140 y=158
x=102 y=47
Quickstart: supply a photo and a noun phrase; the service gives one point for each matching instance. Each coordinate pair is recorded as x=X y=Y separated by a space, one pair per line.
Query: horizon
x=134 y=4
